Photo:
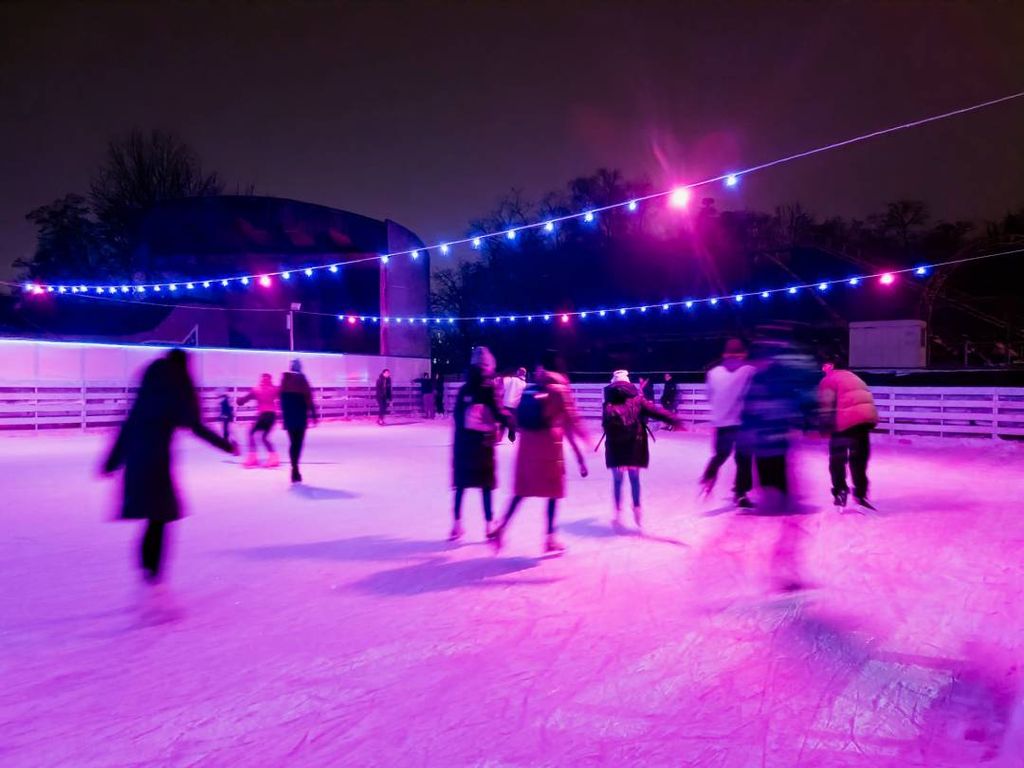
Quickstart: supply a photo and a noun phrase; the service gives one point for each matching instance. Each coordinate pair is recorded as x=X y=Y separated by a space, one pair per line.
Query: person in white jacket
x=725 y=389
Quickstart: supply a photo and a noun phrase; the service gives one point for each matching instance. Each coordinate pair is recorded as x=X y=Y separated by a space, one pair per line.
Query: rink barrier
x=951 y=412
x=39 y=408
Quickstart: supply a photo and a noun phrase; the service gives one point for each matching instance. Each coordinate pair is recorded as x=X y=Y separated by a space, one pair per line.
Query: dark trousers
x=618 y=474
x=851 y=446
x=382 y=409
x=514 y=505
x=725 y=443
x=226 y=424
x=152 y=549
x=772 y=473
x=296 y=439
x=488 y=508
x=428 y=405
x=264 y=423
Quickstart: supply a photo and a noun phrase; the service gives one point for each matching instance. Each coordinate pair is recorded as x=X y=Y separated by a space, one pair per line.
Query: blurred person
x=384 y=394
x=439 y=408
x=265 y=394
x=725 y=388
x=511 y=393
x=226 y=415
x=545 y=417
x=626 y=450
x=781 y=398
x=166 y=401
x=669 y=396
x=848 y=415
x=426 y=383
x=297 y=410
x=477 y=417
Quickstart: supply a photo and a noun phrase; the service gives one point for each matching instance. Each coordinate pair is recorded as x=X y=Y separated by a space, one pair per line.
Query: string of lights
x=678 y=198
x=884 y=278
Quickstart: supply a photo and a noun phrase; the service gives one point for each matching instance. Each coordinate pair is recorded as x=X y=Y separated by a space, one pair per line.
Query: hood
x=620 y=392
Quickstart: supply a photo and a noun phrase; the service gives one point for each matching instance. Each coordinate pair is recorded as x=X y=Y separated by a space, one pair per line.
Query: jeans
x=488 y=508
x=152 y=548
x=618 y=474
x=851 y=446
x=725 y=443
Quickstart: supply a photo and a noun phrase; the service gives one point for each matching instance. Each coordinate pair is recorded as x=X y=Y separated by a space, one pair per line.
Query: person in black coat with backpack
x=297 y=409
x=626 y=449
x=478 y=418
x=166 y=401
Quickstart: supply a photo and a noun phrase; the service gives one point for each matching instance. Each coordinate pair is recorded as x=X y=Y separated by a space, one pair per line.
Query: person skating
x=383 y=391
x=265 y=394
x=478 y=417
x=546 y=415
x=439 y=394
x=297 y=410
x=511 y=393
x=848 y=414
x=725 y=388
x=166 y=401
x=669 y=396
x=426 y=395
x=227 y=415
x=626 y=447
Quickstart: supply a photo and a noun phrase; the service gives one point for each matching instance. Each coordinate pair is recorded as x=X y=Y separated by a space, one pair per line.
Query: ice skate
x=552 y=545
x=862 y=501
x=488 y=528
x=617 y=519
x=495 y=538
x=456 y=532
x=273 y=460
x=743 y=502
x=251 y=460
x=839 y=499
x=706 y=487
x=638 y=517
x=296 y=475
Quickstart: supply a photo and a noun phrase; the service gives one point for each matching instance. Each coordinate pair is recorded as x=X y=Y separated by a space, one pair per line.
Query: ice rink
x=331 y=624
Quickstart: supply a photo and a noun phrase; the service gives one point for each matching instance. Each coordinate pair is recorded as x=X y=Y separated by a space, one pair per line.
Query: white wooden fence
x=955 y=412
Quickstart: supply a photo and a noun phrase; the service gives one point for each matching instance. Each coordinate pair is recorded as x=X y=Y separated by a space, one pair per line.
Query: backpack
x=536 y=409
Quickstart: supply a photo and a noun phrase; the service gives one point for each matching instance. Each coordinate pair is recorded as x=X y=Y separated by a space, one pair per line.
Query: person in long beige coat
x=540 y=461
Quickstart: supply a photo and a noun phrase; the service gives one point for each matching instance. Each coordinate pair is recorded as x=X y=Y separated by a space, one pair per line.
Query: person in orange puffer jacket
x=848 y=415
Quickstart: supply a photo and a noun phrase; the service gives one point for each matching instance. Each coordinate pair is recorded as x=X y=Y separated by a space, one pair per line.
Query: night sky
x=426 y=113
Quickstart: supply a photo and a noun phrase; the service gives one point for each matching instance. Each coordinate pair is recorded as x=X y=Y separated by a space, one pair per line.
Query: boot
x=552 y=544
x=617 y=518
x=706 y=486
x=839 y=498
x=743 y=502
x=296 y=475
x=495 y=538
x=489 y=528
x=456 y=533
x=251 y=460
x=638 y=515
x=273 y=460
x=863 y=501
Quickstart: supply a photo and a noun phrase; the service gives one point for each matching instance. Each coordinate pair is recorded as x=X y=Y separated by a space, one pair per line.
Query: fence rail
x=38 y=408
x=954 y=412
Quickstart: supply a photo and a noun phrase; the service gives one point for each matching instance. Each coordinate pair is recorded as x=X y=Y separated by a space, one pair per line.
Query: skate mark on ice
x=360 y=548
x=316 y=493
x=440 y=575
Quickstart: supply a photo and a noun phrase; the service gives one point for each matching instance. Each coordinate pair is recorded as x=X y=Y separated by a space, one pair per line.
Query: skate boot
x=251 y=460
x=638 y=517
x=863 y=502
x=706 y=486
x=488 y=528
x=456 y=533
x=552 y=545
x=273 y=460
x=839 y=498
x=495 y=538
x=296 y=475
x=617 y=519
x=743 y=502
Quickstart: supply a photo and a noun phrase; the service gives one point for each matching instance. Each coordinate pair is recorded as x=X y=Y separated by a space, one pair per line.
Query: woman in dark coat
x=297 y=408
x=478 y=417
x=626 y=448
x=166 y=401
x=383 y=395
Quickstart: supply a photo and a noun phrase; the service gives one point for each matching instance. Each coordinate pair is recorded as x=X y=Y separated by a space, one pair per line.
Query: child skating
x=265 y=394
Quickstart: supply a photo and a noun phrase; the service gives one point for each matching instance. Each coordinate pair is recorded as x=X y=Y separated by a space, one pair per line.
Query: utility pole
x=291 y=324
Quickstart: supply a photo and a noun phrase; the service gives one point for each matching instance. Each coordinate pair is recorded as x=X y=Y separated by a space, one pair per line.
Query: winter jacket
x=265 y=396
x=846 y=401
x=725 y=389
x=297 y=405
x=473 y=464
x=166 y=401
x=426 y=385
x=540 y=463
x=669 y=395
x=513 y=391
x=383 y=389
x=624 y=418
x=780 y=399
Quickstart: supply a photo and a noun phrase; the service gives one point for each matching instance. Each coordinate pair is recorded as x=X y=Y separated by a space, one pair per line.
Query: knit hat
x=482 y=358
x=734 y=348
x=620 y=375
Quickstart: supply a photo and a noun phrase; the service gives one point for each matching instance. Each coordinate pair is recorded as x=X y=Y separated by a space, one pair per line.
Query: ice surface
x=332 y=625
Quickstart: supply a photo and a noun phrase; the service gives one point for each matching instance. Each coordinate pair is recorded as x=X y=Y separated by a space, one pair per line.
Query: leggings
x=488 y=508
x=264 y=423
x=634 y=484
x=514 y=504
x=151 y=549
